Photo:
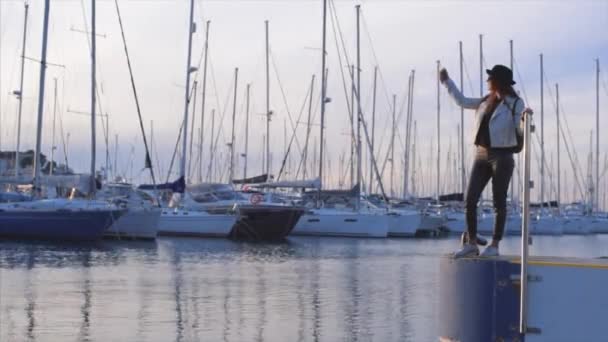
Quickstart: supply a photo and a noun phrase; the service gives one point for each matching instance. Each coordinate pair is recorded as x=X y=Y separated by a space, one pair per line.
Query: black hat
x=501 y=74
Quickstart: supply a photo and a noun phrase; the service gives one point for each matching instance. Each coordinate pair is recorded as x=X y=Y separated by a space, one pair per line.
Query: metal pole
x=210 y=171
x=17 y=157
x=512 y=185
x=323 y=99
x=359 y=114
x=194 y=91
x=268 y=113
x=438 y=135
x=191 y=30
x=523 y=297
x=407 y=137
x=462 y=172
x=409 y=130
x=352 y=131
x=236 y=79
x=414 y=193
x=246 y=132
x=204 y=95
x=45 y=31
x=371 y=169
x=305 y=157
x=597 y=133
x=559 y=170
x=393 y=145
x=93 y=95
x=542 y=134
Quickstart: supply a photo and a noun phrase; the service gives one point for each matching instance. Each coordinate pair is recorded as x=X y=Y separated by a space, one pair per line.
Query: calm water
x=307 y=289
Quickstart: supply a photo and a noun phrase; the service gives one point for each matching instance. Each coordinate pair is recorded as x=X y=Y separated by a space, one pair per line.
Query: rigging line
x=276 y=71
x=521 y=80
x=223 y=114
x=348 y=106
x=61 y=131
x=141 y=124
x=360 y=118
x=552 y=186
x=573 y=163
x=98 y=96
x=371 y=44
x=175 y=150
x=564 y=117
x=383 y=86
x=604 y=83
x=466 y=72
x=312 y=119
x=293 y=135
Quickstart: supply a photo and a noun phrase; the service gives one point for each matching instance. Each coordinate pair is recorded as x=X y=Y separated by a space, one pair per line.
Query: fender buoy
x=256 y=199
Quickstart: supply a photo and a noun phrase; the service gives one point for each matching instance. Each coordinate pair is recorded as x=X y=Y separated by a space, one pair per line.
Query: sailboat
x=242 y=221
x=55 y=219
x=327 y=219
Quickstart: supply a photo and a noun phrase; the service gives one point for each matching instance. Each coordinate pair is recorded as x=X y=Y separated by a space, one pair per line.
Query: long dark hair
x=493 y=101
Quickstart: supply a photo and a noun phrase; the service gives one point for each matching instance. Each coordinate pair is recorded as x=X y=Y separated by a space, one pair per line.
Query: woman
x=497 y=126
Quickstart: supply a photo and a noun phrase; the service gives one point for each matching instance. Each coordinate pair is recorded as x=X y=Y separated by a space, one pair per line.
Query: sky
x=397 y=36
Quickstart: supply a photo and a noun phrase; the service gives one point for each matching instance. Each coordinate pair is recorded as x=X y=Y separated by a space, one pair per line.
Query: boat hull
x=265 y=222
x=57 y=225
x=136 y=224
x=346 y=224
x=195 y=223
x=403 y=224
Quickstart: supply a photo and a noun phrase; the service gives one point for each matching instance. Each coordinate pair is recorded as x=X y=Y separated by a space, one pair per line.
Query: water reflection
x=307 y=289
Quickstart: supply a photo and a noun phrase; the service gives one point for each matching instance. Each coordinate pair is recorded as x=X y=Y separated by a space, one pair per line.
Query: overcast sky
x=404 y=35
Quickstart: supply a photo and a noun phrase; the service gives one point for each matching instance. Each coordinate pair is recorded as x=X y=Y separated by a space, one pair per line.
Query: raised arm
x=461 y=100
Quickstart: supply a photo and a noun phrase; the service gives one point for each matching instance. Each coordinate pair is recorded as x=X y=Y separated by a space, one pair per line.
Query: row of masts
x=356 y=117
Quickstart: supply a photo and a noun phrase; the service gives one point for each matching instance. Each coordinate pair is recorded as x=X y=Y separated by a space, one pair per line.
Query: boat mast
x=246 y=154
x=352 y=122
x=189 y=69
x=193 y=94
x=542 y=134
x=462 y=173
x=305 y=157
x=406 y=148
x=323 y=99
x=410 y=112
x=414 y=162
x=372 y=153
x=559 y=170
x=597 y=132
x=268 y=112
x=204 y=95
x=211 y=154
x=45 y=31
x=359 y=114
x=392 y=175
x=236 y=79
x=438 y=135
x=93 y=187
x=20 y=94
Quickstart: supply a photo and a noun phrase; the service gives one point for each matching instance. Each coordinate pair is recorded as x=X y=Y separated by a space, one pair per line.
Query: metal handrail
x=523 y=297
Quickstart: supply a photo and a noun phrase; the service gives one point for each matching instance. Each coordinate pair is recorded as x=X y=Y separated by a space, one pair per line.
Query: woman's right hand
x=443 y=75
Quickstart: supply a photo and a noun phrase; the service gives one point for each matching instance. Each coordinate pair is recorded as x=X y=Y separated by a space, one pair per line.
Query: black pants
x=489 y=164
